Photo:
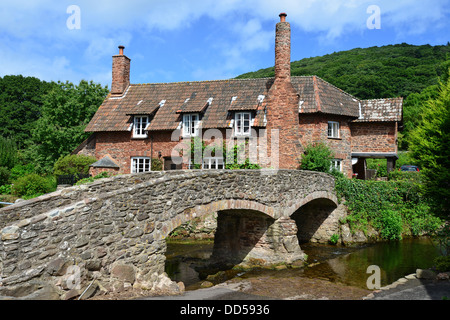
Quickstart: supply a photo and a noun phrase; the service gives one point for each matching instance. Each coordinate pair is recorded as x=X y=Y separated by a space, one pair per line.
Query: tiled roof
x=389 y=109
x=215 y=99
x=317 y=95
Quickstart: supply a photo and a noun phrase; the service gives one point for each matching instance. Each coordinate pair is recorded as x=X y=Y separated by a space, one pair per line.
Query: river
x=346 y=266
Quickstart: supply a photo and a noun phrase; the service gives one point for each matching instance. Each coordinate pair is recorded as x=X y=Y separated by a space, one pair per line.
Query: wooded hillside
x=375 y=72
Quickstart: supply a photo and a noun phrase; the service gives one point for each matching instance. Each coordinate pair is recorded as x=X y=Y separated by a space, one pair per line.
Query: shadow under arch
x=311 y=216
x=216 y=206
x=242 y=235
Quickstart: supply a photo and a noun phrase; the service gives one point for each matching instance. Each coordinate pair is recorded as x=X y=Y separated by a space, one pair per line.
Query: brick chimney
x=283 y=49
x=282 y=101
x=120 y=73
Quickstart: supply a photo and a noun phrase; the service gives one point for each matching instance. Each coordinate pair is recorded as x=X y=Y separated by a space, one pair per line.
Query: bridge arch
x=216 y=206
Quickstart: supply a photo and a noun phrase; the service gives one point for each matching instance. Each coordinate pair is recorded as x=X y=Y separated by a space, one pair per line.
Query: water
x=334 y=263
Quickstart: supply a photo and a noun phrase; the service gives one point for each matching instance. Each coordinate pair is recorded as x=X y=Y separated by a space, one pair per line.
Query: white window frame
x=240 y=127
x=139 y=126
x=141 y=164
x=213 y=163
x=333 y=129
x=191 y=122
x=336 y=164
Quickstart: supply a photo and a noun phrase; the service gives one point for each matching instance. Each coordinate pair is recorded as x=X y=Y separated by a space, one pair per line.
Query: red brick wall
x=95 y=171
x=314 y=129
x=121 y=147
x=374 y=137
x=120 y=74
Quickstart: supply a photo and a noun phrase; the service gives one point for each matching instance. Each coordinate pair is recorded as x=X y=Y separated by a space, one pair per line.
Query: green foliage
x=392 y=207
x=234 y=159
x=334 y=239
x=21 y=103
x=33 y=185
x=442 y=238
x=157 y=164
x=430 y=147
x=66 y=111
x=5 y=189
x=73 y=164
x=4 y=175
x=20 y=170
x=378 y=164
x=8 y=152
x=390 y=223
x=414 y=106
x=317 y=157
x=442 y=264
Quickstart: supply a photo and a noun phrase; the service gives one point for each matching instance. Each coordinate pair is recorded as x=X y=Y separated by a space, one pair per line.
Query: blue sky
x=190 y=40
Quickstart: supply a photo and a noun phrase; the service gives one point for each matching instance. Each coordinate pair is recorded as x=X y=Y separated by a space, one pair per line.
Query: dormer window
x=191 y=124
x=242 y=123
x=139 y=126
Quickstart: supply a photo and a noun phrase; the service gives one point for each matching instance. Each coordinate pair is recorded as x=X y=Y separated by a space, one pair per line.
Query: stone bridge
x=111 y=233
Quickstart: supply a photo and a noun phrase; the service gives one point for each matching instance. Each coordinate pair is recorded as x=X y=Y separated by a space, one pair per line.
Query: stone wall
x=111 y=234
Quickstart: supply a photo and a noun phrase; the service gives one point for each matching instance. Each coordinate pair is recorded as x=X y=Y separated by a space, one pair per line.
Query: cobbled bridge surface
x=111 y=234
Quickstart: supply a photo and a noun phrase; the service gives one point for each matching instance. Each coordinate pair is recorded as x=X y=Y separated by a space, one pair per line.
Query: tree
x=73 y=164
x=20 y=105
x=8 y=152
x=430 y=146
x=66 y=111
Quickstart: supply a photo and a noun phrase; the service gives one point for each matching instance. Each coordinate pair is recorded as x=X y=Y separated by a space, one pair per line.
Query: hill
x=375 y=72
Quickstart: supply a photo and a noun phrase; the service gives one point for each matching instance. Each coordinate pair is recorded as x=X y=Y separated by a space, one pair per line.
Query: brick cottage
x=140 y=122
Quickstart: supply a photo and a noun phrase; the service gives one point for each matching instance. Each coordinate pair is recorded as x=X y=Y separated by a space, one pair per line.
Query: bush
x=391 y=207
x=157 y=164
x=21 y=170
x=8 y=152
x=442 y=264
x=33 y=185
x=378 y=164
x=4 y=175
x=317 y=157
x=5 y=189
x=73 y=164
x=390 y=223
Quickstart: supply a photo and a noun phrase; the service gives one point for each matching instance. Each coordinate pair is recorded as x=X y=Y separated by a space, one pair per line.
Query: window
x=333 y=129
x=140 y=164
x=213 y=163
x=242 y=123
x=336 y=164
x=190 y=125
x=140 y=123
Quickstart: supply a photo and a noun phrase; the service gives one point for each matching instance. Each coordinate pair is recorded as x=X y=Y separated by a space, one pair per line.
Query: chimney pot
x=283 y=17
x=121 y=50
